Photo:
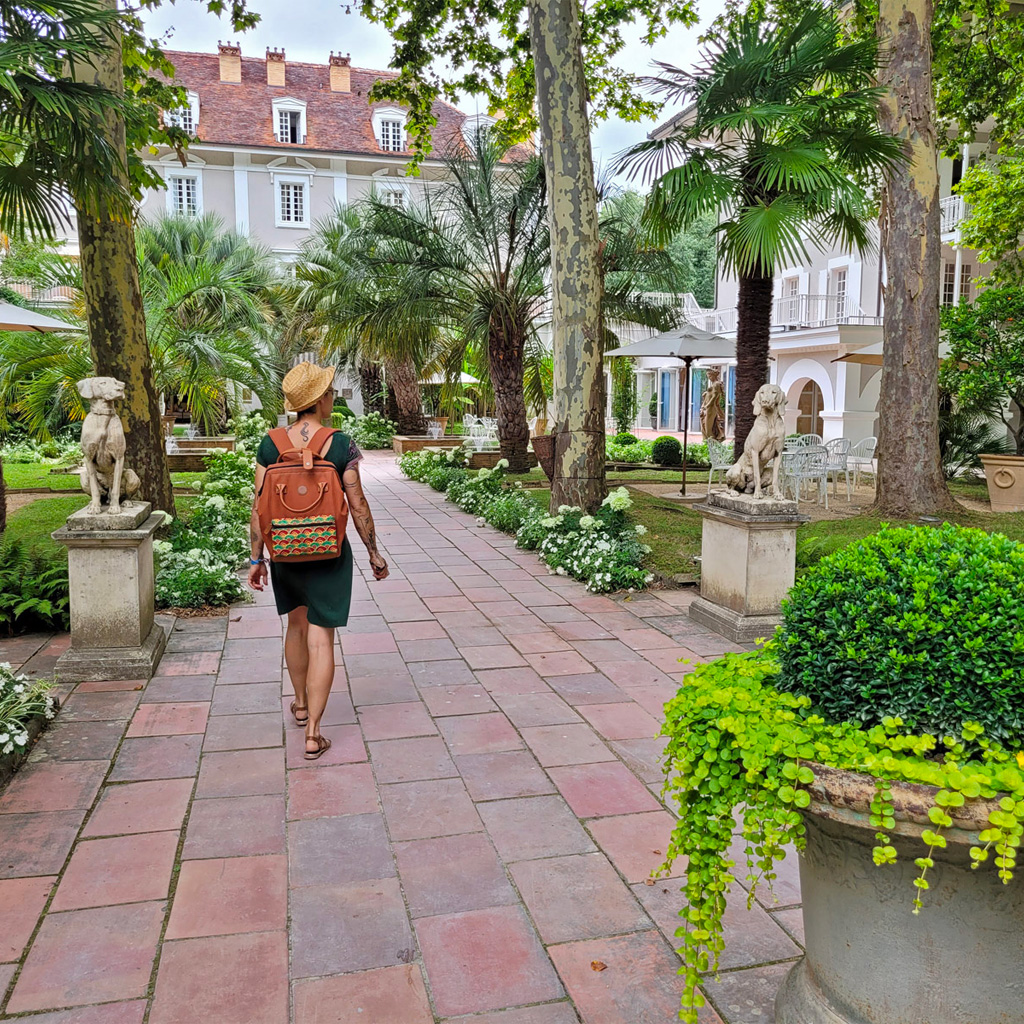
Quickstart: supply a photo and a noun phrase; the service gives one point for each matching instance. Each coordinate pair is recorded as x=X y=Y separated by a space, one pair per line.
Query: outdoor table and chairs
x=838 y=450
x=862 y=459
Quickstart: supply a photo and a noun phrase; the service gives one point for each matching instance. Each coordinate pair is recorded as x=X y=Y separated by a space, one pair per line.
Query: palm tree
x=214 y=306
x=348 y=300
x=781 y=141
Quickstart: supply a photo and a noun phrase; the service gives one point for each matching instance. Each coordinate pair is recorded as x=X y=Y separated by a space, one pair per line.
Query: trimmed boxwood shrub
x=626 y=438
x=921 y=624
x=667 y=451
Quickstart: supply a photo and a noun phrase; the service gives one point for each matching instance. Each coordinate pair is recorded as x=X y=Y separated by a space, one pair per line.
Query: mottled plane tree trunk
x=556 y=42
x=117 y=324
x=910 y=480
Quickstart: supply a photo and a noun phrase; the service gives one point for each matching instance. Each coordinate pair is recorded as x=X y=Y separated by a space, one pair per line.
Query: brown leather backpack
x=301 y=506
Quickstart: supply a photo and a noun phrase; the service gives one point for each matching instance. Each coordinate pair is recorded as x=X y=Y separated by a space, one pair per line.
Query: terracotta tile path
x=480 y=832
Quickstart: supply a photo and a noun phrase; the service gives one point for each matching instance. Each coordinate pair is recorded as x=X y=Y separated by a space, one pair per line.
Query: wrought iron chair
x=839 y=462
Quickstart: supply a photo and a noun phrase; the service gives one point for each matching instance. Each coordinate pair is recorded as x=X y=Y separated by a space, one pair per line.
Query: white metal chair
x=862 y=459
x=811 y=464
x=811 y=440
x=720 y=457
x=838 y=450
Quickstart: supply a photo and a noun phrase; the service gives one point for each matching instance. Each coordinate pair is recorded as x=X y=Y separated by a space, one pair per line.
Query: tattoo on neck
x=304 y=431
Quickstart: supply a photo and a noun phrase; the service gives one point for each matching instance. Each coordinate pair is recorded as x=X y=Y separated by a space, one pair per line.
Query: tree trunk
x=753 y=336
x=910 y=479
x=371 y=387
x=3 y=498
x=556 y=43
x=117 y=325
x=402 y=376
x=505 y=349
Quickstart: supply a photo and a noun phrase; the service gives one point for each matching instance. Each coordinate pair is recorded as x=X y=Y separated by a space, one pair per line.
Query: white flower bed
x=21 y=700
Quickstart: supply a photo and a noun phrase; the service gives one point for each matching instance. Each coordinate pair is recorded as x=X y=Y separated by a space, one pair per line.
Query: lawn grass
x=32 y=524
x=615 y=477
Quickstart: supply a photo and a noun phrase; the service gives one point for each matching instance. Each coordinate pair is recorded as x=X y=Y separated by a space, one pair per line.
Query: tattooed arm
x=363 y=520
x=257 y=573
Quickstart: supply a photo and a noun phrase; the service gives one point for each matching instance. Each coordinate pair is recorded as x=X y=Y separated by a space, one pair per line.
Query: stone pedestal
x=110 y=570
x=748 y=563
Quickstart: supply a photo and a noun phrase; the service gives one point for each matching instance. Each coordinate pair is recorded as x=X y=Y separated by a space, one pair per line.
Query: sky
x=323 y=26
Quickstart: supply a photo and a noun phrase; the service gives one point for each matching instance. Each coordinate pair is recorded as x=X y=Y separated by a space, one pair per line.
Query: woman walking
x=315 y=595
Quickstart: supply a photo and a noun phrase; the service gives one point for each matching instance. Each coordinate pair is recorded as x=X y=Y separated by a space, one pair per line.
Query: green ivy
x=739 y=749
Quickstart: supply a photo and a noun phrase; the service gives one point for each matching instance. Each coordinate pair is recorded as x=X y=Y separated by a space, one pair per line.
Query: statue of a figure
x=712 y=407
x=104 y=476
x=763 y=445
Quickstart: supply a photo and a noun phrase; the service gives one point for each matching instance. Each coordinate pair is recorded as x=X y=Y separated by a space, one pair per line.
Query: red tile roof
x=240 y=114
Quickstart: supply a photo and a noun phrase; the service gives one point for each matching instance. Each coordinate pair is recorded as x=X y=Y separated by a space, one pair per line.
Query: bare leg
x=319 y=679
x=296 y=654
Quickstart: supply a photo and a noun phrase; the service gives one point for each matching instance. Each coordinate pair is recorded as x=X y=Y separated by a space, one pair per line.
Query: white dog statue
x=763 y=445
x=104 y=476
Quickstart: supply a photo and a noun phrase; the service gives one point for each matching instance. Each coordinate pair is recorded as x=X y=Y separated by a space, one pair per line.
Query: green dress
x=323 y=588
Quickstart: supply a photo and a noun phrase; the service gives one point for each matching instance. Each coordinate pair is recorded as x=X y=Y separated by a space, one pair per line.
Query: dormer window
x=290 y=121
x=389 y=128
x=476 y=125
x=185 y=117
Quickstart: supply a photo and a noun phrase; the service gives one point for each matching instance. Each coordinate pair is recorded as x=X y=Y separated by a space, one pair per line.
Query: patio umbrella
x=687 y=343
x=871 y=355
x=16 y=318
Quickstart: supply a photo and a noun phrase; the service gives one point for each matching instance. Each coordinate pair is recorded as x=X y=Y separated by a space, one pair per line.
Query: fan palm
x=347 y=298
x=781 y=141
x=213 y=306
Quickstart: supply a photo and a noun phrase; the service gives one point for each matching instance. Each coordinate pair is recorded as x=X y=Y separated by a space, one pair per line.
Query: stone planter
x=869 y=959
x=402 y=443
x=488 y=460
x=1005 y=477
x=204 y=444
x=544 y=449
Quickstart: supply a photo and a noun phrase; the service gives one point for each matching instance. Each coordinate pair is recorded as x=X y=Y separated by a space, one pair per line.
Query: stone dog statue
x=104 y=476
x=763 y=445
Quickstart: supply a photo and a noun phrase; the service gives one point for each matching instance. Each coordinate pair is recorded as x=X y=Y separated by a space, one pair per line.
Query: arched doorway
x=809 y=405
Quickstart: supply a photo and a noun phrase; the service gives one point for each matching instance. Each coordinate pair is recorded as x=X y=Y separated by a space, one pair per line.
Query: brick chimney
x=230 y=61
x=275 y=66
x=341 y=74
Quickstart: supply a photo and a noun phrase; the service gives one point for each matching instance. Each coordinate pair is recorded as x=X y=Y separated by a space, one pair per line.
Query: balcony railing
x=789 y=313
x=952 y=210
x=58 y=295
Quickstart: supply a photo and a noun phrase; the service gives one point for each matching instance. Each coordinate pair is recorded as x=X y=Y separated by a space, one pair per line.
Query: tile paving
x=481 y=831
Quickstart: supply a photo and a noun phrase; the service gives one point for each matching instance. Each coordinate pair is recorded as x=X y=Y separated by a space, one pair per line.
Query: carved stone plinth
x=748 y=563
x=110 y=571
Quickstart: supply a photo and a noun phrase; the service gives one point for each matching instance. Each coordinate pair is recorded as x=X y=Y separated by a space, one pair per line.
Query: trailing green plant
x=21 y=700
x=740 y=749
x=33 y=589
x=917 y=623
x=604 y=549
x=667 y=451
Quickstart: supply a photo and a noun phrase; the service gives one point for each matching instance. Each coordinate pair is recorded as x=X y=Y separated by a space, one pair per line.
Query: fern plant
x=33 y=590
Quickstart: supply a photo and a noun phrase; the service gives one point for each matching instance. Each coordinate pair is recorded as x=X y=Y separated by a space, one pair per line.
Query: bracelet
x=257 y=561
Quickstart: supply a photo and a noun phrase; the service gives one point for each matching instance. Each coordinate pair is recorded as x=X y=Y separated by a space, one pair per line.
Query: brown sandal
x=323 y=744
x=295 y=709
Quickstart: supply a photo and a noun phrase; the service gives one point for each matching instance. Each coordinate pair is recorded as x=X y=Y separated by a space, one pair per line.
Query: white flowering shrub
x=372 y=431
x=248 y=429
x=61 y=450
x=603 y=550
x=434 y=466
x=473 y=493
x=199 y=564
x=21 y=700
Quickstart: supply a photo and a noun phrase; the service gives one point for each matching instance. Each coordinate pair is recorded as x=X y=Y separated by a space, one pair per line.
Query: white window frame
x=842 y=295
x=966 y=276
x=190 y=109
x=289 y=180
x=196 y=178
x=948 y=284
x=289 y=105
x=474 y=124
x=385 y=184
x=389 y=114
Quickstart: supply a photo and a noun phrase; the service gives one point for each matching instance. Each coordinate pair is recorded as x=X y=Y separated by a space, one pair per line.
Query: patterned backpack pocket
x=304 y=538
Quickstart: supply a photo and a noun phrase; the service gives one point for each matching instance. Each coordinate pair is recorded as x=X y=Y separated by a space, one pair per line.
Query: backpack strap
x=282 y=442
x=319 y=439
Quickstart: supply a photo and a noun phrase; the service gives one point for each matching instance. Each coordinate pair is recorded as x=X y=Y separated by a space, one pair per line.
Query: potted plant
x=985 y=370
x=880 y=732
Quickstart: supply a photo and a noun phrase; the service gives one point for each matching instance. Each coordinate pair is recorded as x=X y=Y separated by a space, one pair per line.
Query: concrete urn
x=869 y=959
x=1004 y=475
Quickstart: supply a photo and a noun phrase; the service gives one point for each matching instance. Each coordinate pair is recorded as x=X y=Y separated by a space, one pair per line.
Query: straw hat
x=305 y=384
